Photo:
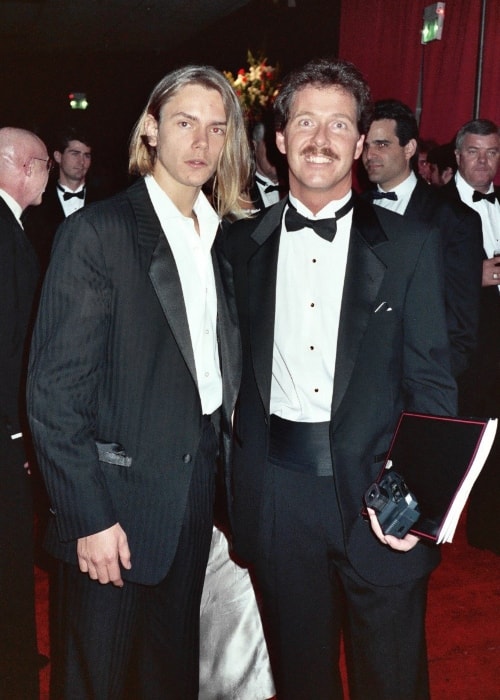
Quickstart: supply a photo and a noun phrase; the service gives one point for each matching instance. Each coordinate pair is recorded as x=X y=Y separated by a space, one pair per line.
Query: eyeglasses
x=48 y=162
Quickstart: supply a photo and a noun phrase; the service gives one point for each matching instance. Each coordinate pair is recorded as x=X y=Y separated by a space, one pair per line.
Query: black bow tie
x=267 y=188
x=67 y=195
x=477 y=196
x=326 y=228
x=377 y=194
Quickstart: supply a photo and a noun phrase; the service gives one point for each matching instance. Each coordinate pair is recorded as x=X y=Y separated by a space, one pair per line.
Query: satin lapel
x=228 y=337
x=163 y=271
x=364 y=274
x=262 y=271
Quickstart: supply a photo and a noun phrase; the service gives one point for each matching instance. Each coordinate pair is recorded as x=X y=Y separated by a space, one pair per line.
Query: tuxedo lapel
x=364 y=274
x=228 y=337
x=262 y=273
x=163 y=271
x=419 y=200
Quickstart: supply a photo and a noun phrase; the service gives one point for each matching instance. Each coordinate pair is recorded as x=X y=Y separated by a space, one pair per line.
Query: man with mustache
x=342 y=317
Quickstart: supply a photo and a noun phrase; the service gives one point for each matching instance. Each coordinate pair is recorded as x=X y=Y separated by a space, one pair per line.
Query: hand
x=491 y=272
x=402 y=545
x=100 y=555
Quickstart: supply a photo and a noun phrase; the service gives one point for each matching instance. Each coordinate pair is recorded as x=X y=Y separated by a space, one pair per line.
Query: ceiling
x=107 y=25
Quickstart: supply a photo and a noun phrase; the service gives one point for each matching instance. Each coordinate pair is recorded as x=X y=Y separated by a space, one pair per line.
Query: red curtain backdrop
x=382 y=37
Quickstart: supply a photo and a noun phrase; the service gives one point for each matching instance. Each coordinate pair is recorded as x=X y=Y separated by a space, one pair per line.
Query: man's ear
x=28 y=168
x=280 y=142
x=359 y=146
x=410 y=148
x=151 y=130
x=58 y=157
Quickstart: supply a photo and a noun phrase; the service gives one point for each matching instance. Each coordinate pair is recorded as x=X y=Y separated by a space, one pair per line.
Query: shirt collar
x=466 y=191
x=405 y=188
x=207 y=217
x=327 y=212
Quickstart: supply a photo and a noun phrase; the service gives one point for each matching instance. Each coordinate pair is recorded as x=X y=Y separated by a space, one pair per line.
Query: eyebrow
x=192 y=117
x=336 y=115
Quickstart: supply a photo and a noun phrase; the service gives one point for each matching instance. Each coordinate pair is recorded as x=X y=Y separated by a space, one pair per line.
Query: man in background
x=65 y=194
x=265 y=188
x=388 y=151
x=442 y=163
x=24 y=170
x=477 y=151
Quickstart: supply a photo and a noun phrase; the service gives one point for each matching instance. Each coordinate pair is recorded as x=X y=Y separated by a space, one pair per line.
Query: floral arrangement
x=256 y=87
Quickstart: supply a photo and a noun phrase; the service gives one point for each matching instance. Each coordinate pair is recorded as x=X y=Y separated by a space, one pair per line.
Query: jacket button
x=186 y=458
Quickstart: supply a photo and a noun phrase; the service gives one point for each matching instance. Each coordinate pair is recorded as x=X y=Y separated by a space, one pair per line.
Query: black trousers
x=18 y=649
x=139 y=642
x=311 y=595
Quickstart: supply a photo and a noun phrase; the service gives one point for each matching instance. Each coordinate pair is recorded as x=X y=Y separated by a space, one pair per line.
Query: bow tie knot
x=68 y=195
x=478 y=196
x=325 y=228
x=267 y=187
x=378 y=194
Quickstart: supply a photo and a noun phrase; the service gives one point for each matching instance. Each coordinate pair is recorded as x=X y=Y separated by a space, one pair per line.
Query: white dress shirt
x=310 y=281
x=268 y=198
x=193 y=259
x=489 y=213
x=403 y=191
x=74 y=203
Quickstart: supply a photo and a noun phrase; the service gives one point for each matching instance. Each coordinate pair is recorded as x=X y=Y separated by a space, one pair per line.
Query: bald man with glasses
x=24 y=170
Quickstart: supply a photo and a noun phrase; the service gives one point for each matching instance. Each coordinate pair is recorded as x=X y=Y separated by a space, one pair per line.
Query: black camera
x=396 y=507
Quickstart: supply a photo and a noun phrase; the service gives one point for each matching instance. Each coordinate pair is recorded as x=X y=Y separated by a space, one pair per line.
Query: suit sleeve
x=428 y=383
x=463 y=275
x=67 y=361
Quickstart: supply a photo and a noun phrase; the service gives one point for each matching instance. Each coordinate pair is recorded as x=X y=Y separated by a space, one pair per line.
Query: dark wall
x=34 y=88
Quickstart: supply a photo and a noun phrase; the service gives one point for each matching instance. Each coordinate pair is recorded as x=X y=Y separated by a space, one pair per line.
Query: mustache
x=325 y=152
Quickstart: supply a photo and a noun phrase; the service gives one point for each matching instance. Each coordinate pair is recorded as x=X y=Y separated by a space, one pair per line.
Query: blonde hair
x=234 y=165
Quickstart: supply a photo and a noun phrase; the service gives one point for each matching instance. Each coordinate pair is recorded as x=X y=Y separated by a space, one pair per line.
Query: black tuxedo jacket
x=112 y=392
x=18 y=281
x=392 y=354
x=41 y=222
x=480 y=385
x=462 y=241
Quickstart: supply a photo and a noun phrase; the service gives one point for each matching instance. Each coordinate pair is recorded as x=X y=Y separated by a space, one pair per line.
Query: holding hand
x=402 y=545
x=491 y=272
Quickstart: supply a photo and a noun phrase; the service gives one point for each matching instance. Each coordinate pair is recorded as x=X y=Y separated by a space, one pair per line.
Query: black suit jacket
x=113 y=398
x=480 y=385
x=462 y=241
x=41 y=222
x=18 y=281
x=387 y=360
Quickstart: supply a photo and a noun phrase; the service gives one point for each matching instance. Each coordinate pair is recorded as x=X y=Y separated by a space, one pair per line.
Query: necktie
x=67 y=195
x=378 y=194
x=267 y=188
x=326 y=228
x=477 y=196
